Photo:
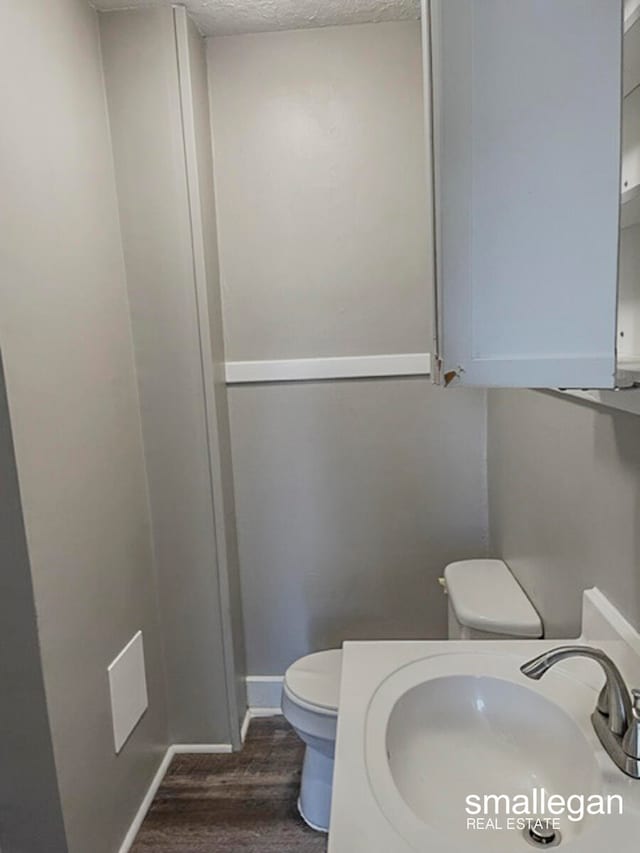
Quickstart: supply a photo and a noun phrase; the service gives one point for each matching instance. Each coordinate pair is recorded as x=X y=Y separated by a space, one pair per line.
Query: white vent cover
x=128 y=689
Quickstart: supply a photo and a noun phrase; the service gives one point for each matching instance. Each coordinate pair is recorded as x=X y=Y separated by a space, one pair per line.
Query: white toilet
x=485 y=603
x=310 y=703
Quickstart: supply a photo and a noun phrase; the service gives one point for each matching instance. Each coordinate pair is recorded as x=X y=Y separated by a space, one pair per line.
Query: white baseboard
x=264 y=694
x=204 y=748
x=245 y=726
x=145 y=805
x=256 y=713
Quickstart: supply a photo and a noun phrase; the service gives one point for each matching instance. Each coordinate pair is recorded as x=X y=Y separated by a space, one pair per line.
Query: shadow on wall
x=30 y=810
x=619 y=433
x=564 y=487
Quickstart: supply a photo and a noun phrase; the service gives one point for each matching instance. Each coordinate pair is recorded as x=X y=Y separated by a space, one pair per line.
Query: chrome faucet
x=616 y=718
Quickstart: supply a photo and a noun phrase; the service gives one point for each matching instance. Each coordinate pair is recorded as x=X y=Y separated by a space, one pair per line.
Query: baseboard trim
x=256 y=713
x=264 y=692
x=245 y=726
x=204 y=748
x=145 y=805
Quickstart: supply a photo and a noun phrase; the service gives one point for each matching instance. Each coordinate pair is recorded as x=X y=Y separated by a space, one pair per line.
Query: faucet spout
x=614 y=701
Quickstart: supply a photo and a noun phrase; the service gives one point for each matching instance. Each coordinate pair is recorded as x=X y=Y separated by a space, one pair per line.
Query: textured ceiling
x=226 y=17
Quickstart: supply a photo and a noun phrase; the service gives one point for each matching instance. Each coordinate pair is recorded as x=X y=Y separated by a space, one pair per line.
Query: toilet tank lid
x=486 y=596
x=315 y=679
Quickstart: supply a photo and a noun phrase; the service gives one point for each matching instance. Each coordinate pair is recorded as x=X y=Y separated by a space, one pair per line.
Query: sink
x=425 y=724
x=446 y=727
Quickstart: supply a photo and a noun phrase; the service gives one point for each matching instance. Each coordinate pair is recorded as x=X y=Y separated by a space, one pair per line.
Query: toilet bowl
x=310 y=695
x=485 y=602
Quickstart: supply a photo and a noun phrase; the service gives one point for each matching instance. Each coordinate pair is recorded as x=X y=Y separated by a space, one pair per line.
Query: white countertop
x=358 y=824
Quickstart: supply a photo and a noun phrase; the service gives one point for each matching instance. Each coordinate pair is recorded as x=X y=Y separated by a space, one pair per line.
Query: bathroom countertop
x=358 y=824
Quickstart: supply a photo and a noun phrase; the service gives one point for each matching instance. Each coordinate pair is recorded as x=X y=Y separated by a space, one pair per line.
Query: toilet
x=310 y=694
x=485 y=603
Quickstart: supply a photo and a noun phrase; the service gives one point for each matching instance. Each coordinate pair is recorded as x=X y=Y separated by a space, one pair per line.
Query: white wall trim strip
x=344 y=367
x=145 y=805
x=264 y=694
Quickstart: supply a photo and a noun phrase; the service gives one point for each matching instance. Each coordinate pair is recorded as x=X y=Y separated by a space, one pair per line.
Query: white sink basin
x=446 y=727
x=425 y=724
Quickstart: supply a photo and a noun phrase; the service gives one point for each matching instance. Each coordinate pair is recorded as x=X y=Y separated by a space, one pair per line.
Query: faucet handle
x=603 y=700
x=631 y=740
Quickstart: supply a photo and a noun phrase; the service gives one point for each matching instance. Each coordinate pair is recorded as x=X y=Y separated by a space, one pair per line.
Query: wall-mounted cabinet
x=630 y=167
x=536 y=149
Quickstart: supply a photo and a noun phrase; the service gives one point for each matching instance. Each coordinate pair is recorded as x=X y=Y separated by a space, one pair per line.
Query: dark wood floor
x=240 y=803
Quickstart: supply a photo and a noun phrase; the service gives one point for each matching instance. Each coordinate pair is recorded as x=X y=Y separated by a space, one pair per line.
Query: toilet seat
x=313 y=681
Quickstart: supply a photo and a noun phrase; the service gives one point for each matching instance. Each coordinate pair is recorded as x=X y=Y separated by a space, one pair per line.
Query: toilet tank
x=487 y=603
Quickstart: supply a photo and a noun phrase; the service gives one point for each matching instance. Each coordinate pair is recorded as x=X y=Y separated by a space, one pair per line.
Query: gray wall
x=321 y=176
x=212 y=341
x=68 y=359
x=353 y=496
x=146 y=114
x=30 y=810
x=564 y=486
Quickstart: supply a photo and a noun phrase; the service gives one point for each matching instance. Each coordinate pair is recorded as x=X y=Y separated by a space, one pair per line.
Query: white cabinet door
x=526 y=135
